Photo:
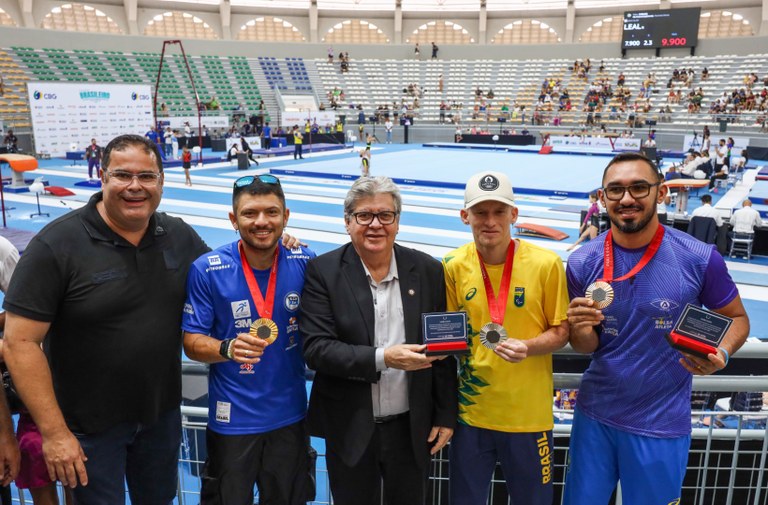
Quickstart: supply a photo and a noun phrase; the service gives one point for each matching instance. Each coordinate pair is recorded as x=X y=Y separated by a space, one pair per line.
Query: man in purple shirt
x=632 y=422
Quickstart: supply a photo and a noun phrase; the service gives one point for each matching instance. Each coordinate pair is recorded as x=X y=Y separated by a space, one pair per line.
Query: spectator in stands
x=746 y=218
x=587 y=230
x=633 y=417
x=114 y=416
x=434 y=51
x=505 y=384
x=11 y=141
x=381 y=404
x=330 y=54
x=298 y=141
x=706 y=210
x=417 y=51
x=256 y=386
x=93 y=153
x=440 y=83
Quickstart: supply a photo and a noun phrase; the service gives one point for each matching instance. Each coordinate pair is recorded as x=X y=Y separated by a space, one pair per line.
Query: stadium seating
x=371 y=83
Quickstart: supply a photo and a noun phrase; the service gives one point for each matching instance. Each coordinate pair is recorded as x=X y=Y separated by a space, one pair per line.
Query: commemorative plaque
x=445 y=333
x=699 y=331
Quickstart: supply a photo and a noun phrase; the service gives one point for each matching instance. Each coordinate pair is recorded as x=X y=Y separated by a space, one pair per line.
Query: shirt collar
x=98 y=229
x=392 y=274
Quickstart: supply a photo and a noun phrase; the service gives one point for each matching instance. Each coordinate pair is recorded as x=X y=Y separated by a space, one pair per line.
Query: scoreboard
x=661 y=28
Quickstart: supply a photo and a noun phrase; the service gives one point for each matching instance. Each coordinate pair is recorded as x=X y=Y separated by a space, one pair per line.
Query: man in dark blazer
x=381 y=404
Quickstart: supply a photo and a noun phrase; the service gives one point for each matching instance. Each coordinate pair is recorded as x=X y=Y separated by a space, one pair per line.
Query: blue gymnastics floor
x=430 y=220
x=531 y=173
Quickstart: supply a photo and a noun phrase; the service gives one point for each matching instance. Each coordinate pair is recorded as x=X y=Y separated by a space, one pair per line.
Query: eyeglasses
x=366 y=218
x=244 y=182
x=637 y=191
x=124 y=178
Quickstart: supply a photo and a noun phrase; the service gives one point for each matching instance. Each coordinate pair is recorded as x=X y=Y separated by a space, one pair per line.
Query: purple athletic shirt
x=635 y=382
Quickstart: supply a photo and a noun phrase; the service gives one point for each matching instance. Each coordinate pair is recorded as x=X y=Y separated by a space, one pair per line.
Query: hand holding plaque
x=445 y=333
x=699 y=331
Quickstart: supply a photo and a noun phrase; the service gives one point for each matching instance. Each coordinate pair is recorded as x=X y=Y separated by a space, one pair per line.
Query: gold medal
x=492 y=334
x=265 y=329
x=601 y=293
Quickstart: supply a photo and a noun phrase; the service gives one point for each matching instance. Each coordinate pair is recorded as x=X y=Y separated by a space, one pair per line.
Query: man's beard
x=635 y=226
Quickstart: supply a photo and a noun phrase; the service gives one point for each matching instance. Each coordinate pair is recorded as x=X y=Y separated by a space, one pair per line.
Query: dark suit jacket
x=337 y=326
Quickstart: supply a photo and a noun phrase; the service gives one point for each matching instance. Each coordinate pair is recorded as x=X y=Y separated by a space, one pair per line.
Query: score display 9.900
x=661 y=28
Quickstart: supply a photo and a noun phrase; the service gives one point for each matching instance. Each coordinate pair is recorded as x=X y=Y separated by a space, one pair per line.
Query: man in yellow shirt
x=515 y=296
x=298 y=140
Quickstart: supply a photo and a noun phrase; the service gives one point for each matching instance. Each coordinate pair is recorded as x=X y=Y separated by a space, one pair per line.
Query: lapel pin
x=411 y=292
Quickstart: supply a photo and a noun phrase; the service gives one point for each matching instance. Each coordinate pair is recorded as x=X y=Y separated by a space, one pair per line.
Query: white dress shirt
x=707 y=210
x=745 y=219
x=390 y=394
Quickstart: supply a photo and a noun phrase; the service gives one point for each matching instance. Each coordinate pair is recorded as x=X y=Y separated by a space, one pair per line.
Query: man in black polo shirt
x=105 y=285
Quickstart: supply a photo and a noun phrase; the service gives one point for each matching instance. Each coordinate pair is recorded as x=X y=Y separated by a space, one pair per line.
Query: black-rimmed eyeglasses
x=637 y=191
x=365 y=218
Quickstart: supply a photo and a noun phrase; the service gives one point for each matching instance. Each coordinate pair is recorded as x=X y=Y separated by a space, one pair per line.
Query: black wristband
x=224 y=348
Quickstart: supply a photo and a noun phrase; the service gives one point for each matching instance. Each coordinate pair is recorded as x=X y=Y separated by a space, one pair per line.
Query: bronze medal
x=601 y=293
x=265 y=329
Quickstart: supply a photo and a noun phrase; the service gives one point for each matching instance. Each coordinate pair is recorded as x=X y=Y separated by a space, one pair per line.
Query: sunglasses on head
x=244 y=182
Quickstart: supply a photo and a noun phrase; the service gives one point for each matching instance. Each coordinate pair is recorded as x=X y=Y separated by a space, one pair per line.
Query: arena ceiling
x=523 y=7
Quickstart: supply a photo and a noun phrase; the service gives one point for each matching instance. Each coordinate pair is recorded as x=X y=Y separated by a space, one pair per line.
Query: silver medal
x=492 y=334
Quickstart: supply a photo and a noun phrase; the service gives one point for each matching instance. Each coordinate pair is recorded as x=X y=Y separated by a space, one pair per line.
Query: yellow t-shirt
x=297 y=137
x=493 y=393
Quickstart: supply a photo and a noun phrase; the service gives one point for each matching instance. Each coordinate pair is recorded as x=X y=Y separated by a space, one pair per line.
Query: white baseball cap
x=485 y=186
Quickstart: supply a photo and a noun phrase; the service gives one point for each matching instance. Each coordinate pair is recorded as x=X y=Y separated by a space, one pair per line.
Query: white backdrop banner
x=64 y=114
x=322 y=118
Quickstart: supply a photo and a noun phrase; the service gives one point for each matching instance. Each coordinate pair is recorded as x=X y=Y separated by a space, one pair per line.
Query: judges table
x=760 y=246
x=504 y=140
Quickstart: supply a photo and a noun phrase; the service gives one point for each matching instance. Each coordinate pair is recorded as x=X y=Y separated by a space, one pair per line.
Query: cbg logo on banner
x=45 y=96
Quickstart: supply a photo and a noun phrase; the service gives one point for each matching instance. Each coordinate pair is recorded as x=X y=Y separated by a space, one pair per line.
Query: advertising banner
x=66 y=115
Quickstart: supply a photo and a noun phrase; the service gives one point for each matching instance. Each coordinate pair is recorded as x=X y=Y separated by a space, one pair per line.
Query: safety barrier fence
x=726 y=465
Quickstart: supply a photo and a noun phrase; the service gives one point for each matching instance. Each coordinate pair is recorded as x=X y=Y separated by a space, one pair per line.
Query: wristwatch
x=224 y=348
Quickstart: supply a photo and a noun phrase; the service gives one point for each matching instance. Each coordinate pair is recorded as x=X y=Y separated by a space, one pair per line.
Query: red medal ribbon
x=644 y=260
x=498 y=305
x=263 y=306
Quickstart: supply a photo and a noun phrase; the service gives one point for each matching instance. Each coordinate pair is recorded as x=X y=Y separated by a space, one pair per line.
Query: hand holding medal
x=263 y=328
x=512 y=350
x=245 y=348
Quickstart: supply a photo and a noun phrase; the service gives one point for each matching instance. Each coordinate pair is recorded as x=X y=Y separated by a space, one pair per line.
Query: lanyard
x=498 y=305
x=644 y=260
x=263 y=306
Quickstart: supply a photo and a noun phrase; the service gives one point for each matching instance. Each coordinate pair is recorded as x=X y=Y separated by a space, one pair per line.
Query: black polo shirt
x=115 y=312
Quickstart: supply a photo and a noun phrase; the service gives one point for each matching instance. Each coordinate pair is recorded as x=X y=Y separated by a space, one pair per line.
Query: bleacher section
x=275 y=70
x=230 y=80
x=372 y=83
x=13 y=101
